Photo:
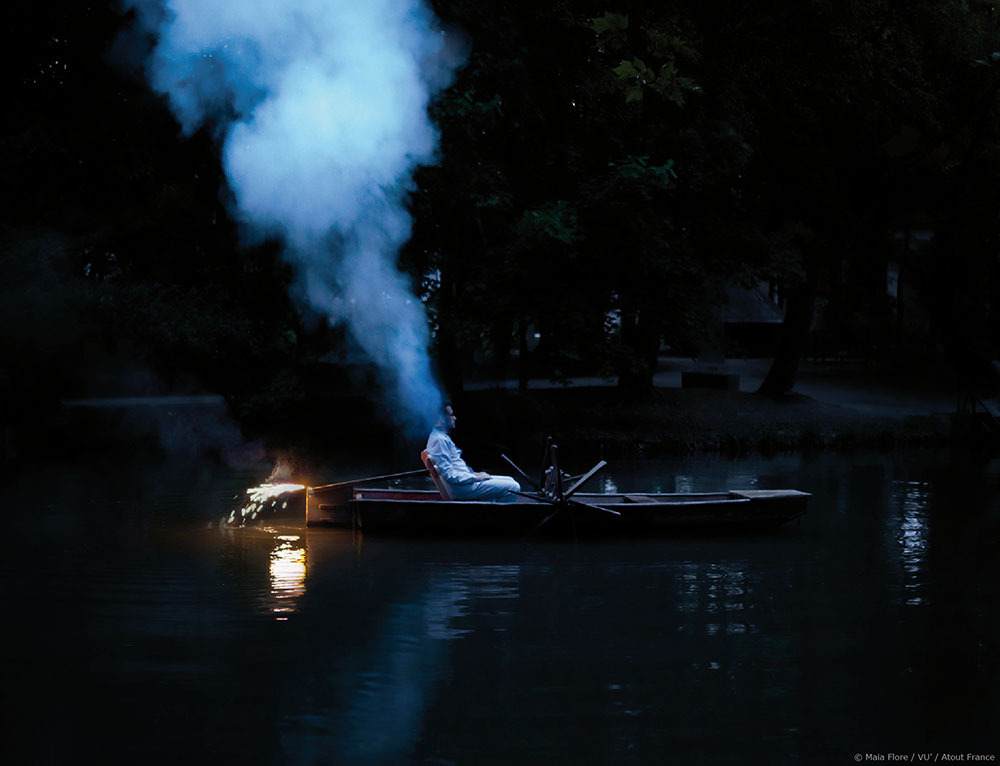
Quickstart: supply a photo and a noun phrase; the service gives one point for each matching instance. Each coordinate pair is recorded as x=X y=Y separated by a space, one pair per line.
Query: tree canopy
x=606 y=171
x=619 y=164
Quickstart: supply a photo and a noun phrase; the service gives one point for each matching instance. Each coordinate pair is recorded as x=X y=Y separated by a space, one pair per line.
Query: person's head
x=448 y=419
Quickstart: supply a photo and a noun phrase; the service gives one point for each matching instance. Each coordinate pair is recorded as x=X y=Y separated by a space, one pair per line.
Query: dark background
x=609 y=174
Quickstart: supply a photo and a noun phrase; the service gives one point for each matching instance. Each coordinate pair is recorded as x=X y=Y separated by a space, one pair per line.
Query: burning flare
x=261 y=498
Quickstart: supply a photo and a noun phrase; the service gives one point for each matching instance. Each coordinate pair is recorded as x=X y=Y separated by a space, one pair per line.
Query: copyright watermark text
x=925 y=757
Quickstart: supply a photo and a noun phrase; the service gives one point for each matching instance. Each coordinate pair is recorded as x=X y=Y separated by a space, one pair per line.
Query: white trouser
x=496 y=488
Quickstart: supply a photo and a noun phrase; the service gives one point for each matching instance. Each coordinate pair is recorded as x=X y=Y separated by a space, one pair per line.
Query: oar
x=595 y=507
x=554 y=451
x=372 y=478
x=584 y=478
x=545 y=460
x=558 y=506
x=522 y=473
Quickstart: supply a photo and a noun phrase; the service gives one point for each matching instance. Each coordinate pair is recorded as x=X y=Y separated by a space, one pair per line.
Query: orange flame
x=258 y=501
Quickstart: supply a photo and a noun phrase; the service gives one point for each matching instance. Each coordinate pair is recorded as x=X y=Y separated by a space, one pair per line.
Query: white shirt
x=448 y=458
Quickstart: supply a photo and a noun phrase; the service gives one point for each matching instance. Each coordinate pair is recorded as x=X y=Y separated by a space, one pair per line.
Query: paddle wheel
x=557 y=488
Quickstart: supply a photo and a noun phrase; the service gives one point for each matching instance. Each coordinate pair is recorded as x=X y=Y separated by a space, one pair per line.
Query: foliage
x=556 y=206
x=670 y=148
x=606 y=169
x=126 y=226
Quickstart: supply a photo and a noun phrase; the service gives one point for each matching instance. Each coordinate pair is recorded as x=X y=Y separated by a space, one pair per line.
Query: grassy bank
x=682 y=421
x=587 y=422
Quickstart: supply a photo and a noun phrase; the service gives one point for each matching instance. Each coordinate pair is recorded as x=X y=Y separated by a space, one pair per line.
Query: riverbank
x=687 y=421
x=834 y=406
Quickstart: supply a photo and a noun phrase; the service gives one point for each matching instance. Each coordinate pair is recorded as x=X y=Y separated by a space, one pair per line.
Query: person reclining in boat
x=464 y=483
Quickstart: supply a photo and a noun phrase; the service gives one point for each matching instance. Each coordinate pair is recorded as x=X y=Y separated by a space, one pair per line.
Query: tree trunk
x=792 y=341
x=640 y=346
x=900 y=289
x=501 y=333
x=993 y=318
x=522 y=356
x=879 y=323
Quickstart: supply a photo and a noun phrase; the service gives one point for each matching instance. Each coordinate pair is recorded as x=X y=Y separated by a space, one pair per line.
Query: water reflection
x=271 y=566
x=384 y=694
x=912 y=536
x=718 y=589
x=288 y=567
x=134 y=625
x=464 y=586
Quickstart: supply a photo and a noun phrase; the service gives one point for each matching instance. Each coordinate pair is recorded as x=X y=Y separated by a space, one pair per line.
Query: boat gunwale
x=719 y=494
x=617 y=502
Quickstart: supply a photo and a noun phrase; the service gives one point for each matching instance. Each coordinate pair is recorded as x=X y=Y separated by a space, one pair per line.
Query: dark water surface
x=137 y=633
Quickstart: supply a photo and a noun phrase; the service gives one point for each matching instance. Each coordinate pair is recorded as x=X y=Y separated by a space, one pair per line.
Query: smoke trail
x=322 y=108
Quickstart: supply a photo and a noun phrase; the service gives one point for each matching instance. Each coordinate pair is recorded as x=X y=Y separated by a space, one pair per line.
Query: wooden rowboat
x=424 y=512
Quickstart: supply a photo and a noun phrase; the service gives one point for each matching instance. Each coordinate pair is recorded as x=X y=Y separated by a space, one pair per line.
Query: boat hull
x=398 y=512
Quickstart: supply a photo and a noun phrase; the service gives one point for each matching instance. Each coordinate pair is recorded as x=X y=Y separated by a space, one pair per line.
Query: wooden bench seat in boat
x=431 y=466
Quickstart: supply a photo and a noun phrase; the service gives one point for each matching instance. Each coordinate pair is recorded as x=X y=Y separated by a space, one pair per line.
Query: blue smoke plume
x=322 y=111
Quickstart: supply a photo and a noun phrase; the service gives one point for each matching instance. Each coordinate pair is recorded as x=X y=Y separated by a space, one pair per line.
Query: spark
x=261 y=497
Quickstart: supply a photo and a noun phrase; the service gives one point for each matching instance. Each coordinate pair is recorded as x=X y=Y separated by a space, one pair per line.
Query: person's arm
x=449 y=462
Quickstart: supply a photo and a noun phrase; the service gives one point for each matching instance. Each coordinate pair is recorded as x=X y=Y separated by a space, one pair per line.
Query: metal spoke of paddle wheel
x=523 y=475
x=551 y=488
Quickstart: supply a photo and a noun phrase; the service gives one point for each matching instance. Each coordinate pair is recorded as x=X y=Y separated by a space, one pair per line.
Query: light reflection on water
x=911 y=529
x=288 y=566
x=715 y=592
x=270 y=565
